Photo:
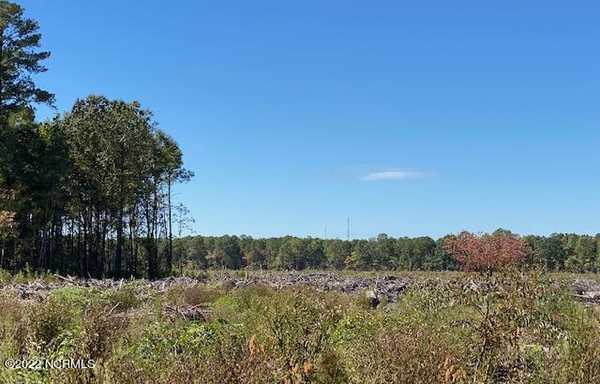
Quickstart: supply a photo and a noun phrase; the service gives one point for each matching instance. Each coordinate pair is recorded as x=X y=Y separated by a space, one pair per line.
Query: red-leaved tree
x=487 y=252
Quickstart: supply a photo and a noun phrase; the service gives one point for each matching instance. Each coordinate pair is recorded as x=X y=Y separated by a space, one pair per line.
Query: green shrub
x=123 y=298
x=5 y=277
x=192 y=295
x=13 y=329
x=509 y=327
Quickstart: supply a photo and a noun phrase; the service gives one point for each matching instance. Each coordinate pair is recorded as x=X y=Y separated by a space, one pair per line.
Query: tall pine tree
x=20 y=57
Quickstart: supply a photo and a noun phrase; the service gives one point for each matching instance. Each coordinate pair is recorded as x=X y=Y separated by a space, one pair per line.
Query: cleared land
x=309 y=327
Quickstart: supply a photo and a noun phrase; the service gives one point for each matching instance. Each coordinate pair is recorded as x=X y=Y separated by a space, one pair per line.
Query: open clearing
x=386 y=285
x=306 y=327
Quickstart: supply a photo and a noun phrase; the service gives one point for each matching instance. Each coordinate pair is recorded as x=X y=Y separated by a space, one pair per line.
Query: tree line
x=557 y=252
x=88 y=192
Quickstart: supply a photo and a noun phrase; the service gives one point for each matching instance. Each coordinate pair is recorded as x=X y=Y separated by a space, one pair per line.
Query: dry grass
x=509 y=328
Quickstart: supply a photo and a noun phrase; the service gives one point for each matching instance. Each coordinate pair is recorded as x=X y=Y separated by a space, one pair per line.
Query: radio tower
x=348 y=229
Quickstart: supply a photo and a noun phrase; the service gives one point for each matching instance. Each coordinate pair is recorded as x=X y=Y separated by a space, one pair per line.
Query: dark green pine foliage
x=20 y=57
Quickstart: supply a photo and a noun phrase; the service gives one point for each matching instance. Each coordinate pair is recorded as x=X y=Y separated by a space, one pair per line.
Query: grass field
x=509 y=327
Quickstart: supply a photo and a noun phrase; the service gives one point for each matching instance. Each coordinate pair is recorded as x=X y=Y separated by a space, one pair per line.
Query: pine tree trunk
x=119 y=250
x=170 y=251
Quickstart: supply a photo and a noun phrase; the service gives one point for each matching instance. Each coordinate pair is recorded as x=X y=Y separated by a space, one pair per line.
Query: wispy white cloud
x=395 y=174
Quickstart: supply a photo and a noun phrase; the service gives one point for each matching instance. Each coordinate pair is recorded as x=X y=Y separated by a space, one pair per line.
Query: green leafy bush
x=506 y=327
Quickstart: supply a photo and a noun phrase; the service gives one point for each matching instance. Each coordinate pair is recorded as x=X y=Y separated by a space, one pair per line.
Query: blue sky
x=413 y=118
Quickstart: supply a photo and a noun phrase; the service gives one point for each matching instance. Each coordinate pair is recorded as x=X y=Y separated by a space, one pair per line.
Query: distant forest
x=89 y=193
x=558 y=252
